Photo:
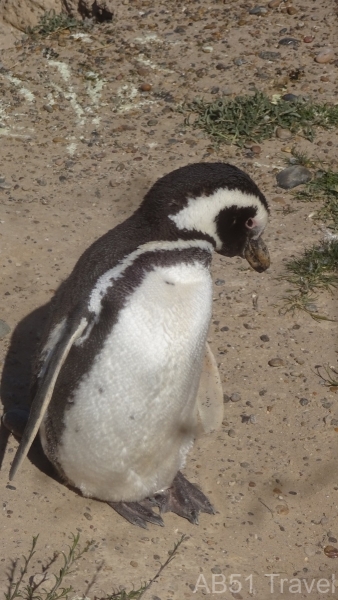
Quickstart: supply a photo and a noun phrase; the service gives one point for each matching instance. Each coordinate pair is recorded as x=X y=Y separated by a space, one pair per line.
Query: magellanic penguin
x=117 y=376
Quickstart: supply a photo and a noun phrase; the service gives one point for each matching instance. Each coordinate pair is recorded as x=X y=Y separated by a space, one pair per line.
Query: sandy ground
x=80 y=144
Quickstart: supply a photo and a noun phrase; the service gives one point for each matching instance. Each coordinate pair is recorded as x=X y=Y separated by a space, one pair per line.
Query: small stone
x=307 y=39
x=214 y=89
x=219 y=282
x=256 y=149
x=221 y=67
x=10 y=487
x=232 y=433
x=142 y=71
x=145 y=87
x=225 y=328
x=244 y=465
x=334 y=422
x=291 y=10
x=120 y=167
x=59 y=140
x=303 y=401
x=276 y=362
x=333 y=540
x=283 y=134
x=5 y=186
x=274 y=3
x=227 y=91
x=288 y=41
x=216 y=570
x=312 y=308
x=179 y=29
x=290 y=98
x=226 y=398
x=331 y=551
x=258 y=10
x=207 y=49
x=88 y=516
x=325 y=56
x=48 y=108
x=252 y=484
x=293 y=176
x=266 y=55
x=235 y=397
x=239 y=61
x=152 y=122
x=265 y=338
x=133 y=563
x=4 y=329
x=2 y=179
x=282 y=509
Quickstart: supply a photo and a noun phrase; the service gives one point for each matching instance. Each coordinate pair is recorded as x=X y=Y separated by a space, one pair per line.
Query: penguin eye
x=250 y=224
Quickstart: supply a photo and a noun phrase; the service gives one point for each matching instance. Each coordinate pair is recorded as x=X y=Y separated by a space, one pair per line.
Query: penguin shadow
x=16 y=379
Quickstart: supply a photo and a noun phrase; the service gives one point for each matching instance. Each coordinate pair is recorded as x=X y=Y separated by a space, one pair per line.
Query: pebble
x=258 y=10
x=235 y=397
x=133 y=563
x=145 y=87
x=88 y=516
x=152 y=122
x=265 y=338
x=291 y=10
x=232 y=433
x=312 y=308
x=288 y=41
x=274 y=3
x=283 y=134
x=276 y=362
x=325 y=56
x=293 y=176
x=303 y=401
x=5 y=186
x=216 y=570
x=239 y=61
x=207 y=49
x=59 y=140
x=331 y=551
x=282 y=509
x=244 y=465
x=219 y=281
x=2 y=179
x=267 y=55
x=290 y=98
x=226 y=398
x=307 y=39
x=48 y=108
x=120 y=167
x=4 y=329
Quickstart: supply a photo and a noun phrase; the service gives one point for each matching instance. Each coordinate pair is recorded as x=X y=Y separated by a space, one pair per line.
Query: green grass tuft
x=256 y=117
x=50 y=22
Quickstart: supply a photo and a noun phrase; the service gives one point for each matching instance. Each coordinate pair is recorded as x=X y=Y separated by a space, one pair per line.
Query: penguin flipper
x=45 y=390
x=210 y=394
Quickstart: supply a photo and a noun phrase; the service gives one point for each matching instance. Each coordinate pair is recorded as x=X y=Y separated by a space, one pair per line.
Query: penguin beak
x=257 y=254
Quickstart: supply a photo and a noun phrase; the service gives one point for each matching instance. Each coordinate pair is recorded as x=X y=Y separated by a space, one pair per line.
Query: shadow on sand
x=17 y=375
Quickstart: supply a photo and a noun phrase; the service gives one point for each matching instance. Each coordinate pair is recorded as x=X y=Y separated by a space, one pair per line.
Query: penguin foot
x=137 y=513
x=15 y=420
x=184 y=499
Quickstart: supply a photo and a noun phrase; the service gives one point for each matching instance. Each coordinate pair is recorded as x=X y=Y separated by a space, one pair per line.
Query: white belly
x=133 y=418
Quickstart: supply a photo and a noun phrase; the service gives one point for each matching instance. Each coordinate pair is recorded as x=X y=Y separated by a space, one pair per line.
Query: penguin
x=120 y=372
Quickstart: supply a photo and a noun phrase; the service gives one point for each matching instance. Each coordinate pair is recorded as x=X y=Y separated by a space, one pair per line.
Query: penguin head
x=214 y=201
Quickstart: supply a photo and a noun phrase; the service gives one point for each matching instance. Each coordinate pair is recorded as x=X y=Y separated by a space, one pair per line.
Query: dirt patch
x=87 y=124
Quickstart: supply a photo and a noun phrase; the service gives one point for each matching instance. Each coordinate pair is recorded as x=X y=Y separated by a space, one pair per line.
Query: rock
x=325 y=56
x=266 y=55
x=235 y=397
x=145 y=87
x=293 y=176
x=207 y=49
x=274 y=3
x=283 y=134
x=4 y=329
x=307 y=39
x=291 y=10
x=26 y=13
x=265 y=338
x=288 y=41
x=290 y=98
x=276 y=362
x=258 y=10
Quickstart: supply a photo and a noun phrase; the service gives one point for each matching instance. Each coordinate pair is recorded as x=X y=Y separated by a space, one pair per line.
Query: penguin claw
x=184 y=499
x=137 y=513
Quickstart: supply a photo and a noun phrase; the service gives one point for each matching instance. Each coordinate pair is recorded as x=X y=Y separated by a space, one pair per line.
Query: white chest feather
x=132 y=421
